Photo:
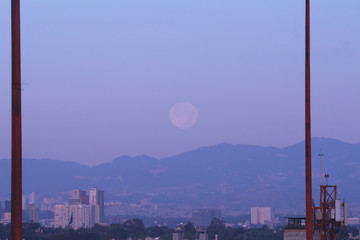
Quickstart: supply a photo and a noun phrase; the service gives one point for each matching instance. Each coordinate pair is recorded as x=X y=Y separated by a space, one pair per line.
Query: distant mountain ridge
x=225 y=175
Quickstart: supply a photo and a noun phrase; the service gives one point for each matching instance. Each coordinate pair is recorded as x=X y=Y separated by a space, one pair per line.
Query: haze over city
x=99 y=78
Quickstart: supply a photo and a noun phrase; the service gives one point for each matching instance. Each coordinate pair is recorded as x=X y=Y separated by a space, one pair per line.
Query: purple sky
x=101 y=76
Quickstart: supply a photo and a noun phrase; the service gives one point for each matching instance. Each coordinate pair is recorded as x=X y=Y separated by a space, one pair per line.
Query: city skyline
x=231 y=177
x=99 y=82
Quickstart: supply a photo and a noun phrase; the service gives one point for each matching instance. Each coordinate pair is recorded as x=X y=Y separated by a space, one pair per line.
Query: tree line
x=135 y=229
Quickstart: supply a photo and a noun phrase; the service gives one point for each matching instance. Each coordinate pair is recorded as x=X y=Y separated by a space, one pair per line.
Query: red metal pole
x=309 y=204
x=16 y=156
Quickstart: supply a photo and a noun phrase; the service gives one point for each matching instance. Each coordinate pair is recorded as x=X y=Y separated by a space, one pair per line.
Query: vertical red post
x=16 y=155
x=309 y=205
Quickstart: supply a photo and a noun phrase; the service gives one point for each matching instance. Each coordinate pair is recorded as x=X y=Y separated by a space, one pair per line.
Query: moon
x=183 y=115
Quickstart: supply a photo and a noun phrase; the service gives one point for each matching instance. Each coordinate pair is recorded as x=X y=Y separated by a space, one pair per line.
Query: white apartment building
x=61 y=216
x=80 y=214
x=75 y=216
x=261 y=215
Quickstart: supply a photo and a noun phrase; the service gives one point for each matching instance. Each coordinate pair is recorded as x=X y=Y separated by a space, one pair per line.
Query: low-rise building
x=296 y=230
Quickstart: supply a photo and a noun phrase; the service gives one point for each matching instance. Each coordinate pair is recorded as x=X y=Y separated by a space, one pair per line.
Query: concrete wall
x=298 y=234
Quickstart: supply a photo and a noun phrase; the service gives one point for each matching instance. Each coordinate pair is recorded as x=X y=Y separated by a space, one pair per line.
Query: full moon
x=183 y=115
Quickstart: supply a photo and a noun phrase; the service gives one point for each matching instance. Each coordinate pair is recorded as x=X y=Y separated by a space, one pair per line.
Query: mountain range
x=231 y=177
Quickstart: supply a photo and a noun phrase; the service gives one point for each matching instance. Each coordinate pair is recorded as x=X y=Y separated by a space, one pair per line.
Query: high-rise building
x=81 y=195
x=24 y=202
x=261 y=215
x=203 y=217
x=96 y=202
x=7 y=206
x=75 y=216
x=101 y=205
x=32 y=198
x=33 y=212
x=79 y=216
x=61 y=216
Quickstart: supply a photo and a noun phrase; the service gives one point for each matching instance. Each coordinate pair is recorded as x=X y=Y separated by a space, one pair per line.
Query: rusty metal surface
x=309 y=205
x=16 y=153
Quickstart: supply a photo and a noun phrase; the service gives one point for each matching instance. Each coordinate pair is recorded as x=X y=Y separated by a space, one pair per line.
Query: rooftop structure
x=296 y=229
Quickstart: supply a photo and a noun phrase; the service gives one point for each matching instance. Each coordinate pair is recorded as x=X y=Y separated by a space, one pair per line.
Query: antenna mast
x=321 y=155
x=16 y=149
x=308 y=181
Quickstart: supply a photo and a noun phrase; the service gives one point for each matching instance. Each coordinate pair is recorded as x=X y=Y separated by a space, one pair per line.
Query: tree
x=263 y=233
x=117 y=231
x=190 y=231
x=216 y=226
x=60 y=236
x=164 y=233
x=134 y=228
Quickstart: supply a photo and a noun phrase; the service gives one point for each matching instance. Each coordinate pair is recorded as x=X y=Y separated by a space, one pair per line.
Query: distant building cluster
x=30 y=211
x=5 y=212
x=262 y=215
x=81 y=211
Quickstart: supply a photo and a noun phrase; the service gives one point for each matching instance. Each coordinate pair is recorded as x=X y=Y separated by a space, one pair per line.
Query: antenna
x=327 y=177
x=320 y=155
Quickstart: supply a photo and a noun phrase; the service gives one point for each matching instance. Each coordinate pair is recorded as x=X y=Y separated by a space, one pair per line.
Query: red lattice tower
x=328 y=214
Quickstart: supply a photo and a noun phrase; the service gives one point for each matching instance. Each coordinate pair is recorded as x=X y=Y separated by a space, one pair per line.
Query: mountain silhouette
x=225 y=175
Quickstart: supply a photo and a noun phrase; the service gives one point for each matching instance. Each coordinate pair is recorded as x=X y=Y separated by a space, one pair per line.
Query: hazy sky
x=99 y=77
